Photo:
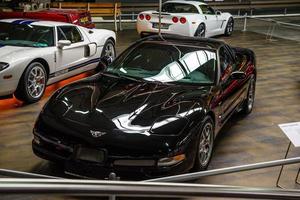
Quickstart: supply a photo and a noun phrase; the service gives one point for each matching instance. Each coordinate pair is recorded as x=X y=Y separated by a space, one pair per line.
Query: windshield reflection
x=185 y=67
x=166 y=63
x=26 y=35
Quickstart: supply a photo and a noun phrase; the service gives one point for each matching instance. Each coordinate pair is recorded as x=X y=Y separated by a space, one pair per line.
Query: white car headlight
x=3 y=66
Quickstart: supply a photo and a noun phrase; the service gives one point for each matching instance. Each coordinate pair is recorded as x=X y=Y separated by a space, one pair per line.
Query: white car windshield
x=165 y=63
x=179 y=8
x=25 y=35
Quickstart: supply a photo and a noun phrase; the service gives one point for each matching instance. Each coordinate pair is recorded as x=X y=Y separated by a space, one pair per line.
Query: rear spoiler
x=157 y=13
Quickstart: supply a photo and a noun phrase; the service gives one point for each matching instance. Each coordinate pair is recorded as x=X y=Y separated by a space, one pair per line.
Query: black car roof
x=193 y=41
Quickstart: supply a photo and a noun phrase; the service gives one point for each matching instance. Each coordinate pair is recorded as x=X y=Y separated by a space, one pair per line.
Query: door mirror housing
x=238 y=75
x=104 y=62
x=218 y=12
x=62 y=43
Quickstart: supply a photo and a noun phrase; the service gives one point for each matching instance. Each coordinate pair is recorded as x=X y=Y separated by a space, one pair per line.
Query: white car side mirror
x=63 y=43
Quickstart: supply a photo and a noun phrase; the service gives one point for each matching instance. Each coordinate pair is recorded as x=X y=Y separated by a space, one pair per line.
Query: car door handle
x=205 y=17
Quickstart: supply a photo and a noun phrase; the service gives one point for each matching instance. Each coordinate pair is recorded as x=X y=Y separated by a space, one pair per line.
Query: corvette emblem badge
x=97 y=134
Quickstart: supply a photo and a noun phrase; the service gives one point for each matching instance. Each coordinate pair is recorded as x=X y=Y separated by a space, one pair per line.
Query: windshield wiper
x=158 y=82
x=129 y=77
x=123 y=76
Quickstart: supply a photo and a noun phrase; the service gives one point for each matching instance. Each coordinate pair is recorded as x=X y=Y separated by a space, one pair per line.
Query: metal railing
x=154 y=187
x=272 y=27
x=137 y=189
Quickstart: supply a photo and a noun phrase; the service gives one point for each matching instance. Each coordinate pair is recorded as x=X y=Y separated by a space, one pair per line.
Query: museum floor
x=254 y=138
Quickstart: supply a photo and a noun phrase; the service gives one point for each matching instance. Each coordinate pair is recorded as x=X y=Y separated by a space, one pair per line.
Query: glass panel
x=207 y=10
x=26 y=35
x=69 y=33
x=167 y=63
x=179 y=8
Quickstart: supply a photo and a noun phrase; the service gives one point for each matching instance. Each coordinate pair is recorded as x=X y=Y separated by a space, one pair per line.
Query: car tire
x=229 y=27
x=109 y=50
x=248 y=104
x=32 y=83
x=200 y=32
x=205 y=145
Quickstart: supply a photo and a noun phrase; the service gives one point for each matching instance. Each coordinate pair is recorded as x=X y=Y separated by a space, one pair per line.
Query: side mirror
x=238 y=75
x=218 y=12
x=63 y=43
x=104 y=62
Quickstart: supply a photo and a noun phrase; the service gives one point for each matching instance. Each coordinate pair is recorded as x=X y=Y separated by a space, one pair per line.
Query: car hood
x=10 y=53
x=108 y=108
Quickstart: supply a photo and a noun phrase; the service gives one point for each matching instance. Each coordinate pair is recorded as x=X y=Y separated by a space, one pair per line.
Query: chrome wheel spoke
x=109 y=51
x=36 y=81
x=205 y=144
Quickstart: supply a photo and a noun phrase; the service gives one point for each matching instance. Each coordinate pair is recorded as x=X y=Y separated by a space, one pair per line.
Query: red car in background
x=73 y=16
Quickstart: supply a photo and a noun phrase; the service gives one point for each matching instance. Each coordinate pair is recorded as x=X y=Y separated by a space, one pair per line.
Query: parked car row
x=154 y=110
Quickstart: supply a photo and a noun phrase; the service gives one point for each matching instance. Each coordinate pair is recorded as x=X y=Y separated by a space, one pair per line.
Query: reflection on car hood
x=113 y=105
x=9 y=53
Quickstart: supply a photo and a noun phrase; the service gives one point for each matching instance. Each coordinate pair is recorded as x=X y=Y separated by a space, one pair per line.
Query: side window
x=211 y=10
x=207 y=10
x=69 y=33
x=226 y=63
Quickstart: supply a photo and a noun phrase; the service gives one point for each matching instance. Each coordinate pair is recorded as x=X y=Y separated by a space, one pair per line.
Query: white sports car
x=188 y=18
x=36 y=53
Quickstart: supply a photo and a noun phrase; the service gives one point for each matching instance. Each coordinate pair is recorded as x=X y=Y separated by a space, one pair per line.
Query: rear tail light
x=148 y=17
x=182 y=20
x=175 y=19
x=141 y=16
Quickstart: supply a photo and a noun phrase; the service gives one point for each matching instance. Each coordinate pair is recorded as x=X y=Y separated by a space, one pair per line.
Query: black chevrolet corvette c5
x=153 y=111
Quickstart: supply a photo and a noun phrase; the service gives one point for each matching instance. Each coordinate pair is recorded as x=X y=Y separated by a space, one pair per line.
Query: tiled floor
x=246 y=140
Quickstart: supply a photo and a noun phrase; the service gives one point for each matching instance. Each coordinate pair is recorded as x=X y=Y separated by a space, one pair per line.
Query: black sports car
x=153 y=111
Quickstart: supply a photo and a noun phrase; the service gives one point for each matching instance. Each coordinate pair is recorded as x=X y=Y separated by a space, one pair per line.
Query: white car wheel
x=200 y=32
x=109 y=50
x=36 y=81
x=229 y=27
x=32 y=84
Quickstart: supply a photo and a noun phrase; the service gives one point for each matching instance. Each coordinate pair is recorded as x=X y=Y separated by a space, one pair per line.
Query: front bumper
x=64 y=153
x=7 y=86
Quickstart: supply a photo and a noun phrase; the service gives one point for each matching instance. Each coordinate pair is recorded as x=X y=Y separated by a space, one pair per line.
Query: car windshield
x=166 y=63
x=179 y=8
x=26 y=35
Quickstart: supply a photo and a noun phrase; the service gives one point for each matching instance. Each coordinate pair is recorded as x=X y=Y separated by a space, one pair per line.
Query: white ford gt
x=34 y=54
x=188 y=18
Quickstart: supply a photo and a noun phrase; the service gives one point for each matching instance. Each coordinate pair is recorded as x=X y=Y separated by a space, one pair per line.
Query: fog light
x=164 y=162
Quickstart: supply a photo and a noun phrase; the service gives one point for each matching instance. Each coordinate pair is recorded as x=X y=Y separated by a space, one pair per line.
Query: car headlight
x=169 y=161
x=3 y=66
